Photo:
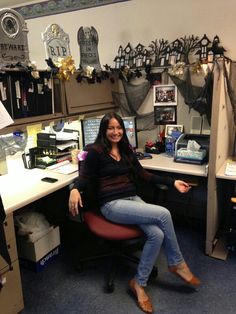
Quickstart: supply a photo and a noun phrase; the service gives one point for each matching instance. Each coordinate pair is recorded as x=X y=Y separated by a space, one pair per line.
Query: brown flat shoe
x=194 y=281
x=145 y=306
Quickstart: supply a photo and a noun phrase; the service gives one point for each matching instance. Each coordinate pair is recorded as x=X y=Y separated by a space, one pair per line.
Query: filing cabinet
x=11 y=297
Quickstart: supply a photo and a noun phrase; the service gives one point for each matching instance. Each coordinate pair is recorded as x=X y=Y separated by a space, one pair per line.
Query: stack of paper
x=64 y=167
x=230 y=169
x=5 y=118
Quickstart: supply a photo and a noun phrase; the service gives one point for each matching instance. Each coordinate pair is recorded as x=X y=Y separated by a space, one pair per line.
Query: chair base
x=115 y=261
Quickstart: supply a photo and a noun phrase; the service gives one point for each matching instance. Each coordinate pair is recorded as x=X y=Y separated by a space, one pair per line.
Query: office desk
x=225 y=190
x=191 y=205
x=25 y=187
x=21 y=187
x=161 y=162
x=221 y=173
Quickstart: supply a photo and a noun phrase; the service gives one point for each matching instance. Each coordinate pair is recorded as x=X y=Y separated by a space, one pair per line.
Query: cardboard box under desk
x=37 y=255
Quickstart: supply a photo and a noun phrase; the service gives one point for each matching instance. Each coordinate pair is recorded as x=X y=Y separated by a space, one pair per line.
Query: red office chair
x=122 y=240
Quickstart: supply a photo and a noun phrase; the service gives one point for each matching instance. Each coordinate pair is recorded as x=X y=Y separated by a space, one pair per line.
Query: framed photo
x=165 y=95
x=164 y=115
x=173 y=127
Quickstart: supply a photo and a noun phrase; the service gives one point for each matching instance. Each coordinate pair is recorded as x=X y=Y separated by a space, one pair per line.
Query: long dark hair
x=123 y=145
x=101 y=140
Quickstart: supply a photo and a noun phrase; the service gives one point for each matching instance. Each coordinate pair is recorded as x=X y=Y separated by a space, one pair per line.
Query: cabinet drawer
x=11 y=246
x=11 y=298
x=9 y=228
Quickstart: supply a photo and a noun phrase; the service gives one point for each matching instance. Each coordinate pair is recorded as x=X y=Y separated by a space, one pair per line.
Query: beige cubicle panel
x=11 y=297
x=83 y=97
x=222 y=133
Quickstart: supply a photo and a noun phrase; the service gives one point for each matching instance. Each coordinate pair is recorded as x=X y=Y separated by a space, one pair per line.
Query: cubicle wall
x=221 y=143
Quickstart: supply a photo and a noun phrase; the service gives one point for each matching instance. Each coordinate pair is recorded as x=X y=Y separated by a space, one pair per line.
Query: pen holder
x=26 y=161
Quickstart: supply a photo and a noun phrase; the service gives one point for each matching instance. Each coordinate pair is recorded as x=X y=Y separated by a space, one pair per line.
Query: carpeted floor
x=59 y=288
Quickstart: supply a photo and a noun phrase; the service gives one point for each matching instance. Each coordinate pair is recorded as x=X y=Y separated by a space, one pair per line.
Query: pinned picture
x=165 y=95
x=173 y=128
x=164 y=115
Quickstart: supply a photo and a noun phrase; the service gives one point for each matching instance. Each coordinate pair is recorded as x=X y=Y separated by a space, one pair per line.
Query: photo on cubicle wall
x=164 y=115
x=173 y=128
x=165 y=95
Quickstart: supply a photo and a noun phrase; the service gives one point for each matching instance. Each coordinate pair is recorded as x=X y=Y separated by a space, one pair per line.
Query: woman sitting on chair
x=113 y=164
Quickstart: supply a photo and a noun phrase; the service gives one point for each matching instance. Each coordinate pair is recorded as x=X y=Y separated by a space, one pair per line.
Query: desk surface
x=221 y=173
x=22 y=186
x=21 y=189
x=163 y=163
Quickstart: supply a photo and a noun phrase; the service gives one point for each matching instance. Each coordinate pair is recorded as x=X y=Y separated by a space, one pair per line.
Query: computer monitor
x=131 y=130
x=90 y=128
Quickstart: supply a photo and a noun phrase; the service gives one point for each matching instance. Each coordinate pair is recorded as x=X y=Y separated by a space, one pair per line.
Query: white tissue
x=193 y=145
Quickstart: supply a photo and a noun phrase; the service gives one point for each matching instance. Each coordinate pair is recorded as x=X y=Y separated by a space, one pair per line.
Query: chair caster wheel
x=110 y=287
x=154 y=272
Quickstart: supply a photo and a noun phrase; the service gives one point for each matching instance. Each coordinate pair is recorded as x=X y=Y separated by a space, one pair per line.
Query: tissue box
x=37 y=255
x=189 y=154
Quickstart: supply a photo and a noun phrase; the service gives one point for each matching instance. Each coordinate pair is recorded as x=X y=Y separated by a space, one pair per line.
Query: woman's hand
x=75 y=200
x=182 y=186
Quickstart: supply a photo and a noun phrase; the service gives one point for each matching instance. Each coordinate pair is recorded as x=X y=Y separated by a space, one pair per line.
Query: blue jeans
x=157 y=225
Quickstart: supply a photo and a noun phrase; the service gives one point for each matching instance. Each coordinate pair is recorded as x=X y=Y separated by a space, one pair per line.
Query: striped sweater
x=113 y=178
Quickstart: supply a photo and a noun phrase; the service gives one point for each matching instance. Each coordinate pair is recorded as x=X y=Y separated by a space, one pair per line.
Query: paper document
x=66 y=145
x=64 y=167
x=5 y=118
x=230 y=169
x=66 y=136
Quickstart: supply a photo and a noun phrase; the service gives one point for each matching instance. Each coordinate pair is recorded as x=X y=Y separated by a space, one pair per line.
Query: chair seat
x=106 y=229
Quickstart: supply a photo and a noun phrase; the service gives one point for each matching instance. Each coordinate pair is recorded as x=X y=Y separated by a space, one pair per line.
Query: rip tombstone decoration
x=56 y=42
x=13 y=38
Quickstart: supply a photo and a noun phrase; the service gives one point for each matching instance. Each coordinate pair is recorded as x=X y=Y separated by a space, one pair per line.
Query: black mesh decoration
x=121 y=101
x=130 y=101
x=185 y=87
x=135 y=94
x=197 y=98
